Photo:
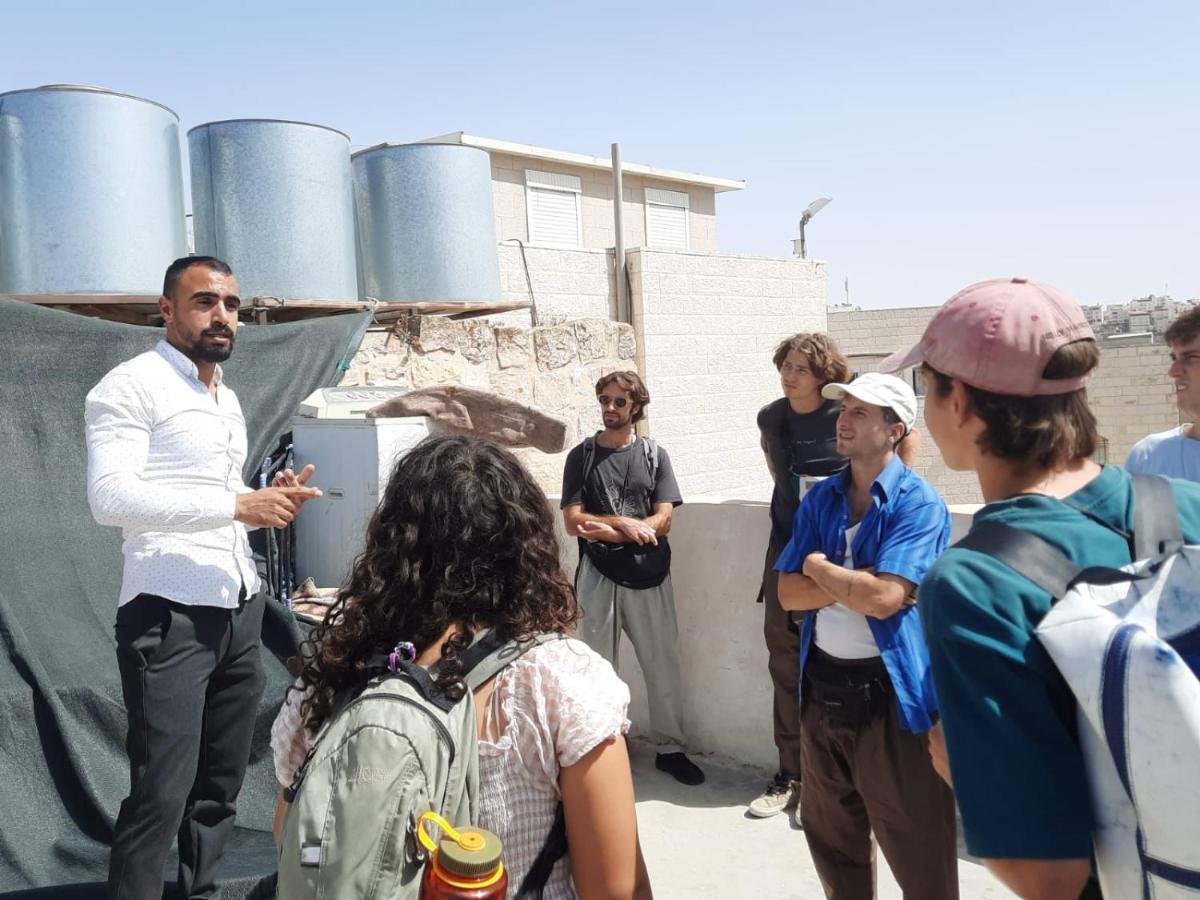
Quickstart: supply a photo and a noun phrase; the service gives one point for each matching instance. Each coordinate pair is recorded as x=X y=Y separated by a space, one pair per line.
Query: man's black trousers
x=192 y=681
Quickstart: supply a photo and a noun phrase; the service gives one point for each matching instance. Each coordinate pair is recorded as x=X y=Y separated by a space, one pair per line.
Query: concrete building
x=1151 y=314
x=555 y=198
x=703 y=323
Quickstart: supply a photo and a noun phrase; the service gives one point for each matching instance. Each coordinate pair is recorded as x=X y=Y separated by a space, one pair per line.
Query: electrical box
x=354 y=457
x=346 y=402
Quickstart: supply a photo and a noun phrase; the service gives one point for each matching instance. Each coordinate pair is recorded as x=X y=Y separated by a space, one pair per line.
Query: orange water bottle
x=463 y=865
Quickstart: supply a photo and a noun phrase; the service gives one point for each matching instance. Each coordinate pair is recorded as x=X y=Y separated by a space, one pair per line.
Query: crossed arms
x=618 y=529
x=822 y=583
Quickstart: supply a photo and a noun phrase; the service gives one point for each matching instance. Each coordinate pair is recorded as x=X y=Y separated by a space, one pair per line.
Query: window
x=666 y=219
x=553 y=209
x=861 y=363
x=918 y=381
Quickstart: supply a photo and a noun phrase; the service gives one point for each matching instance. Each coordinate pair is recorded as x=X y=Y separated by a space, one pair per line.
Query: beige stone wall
x=508 y=193
x=567 y=284
x=554 y=368
x=1130 y=391
x=1132 y=396
x=707 y=325
x=873 y=331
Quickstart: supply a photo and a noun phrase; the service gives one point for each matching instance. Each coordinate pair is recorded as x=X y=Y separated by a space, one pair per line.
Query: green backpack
x=395 y=750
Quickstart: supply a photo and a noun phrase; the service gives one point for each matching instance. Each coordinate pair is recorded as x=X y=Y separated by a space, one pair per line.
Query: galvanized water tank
x=426 y=228
x=275 y=200
x=91 y=192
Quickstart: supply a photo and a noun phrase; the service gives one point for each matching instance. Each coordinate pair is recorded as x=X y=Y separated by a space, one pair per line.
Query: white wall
x=567 y=284
x=706 y=327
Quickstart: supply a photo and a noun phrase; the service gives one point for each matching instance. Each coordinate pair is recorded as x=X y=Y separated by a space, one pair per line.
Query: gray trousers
x=648 y=617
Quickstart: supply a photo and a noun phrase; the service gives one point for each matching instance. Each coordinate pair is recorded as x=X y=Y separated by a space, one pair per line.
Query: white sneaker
x=781 y=793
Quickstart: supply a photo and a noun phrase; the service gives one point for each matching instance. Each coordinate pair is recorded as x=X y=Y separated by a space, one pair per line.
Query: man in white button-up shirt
x=166 y=445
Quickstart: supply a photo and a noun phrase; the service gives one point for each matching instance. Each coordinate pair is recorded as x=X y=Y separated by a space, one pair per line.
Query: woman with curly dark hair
x=463 y=540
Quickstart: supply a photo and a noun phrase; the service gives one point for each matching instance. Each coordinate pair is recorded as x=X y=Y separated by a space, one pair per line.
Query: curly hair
x=628 y=381
x=463 y=535
x=824 y=357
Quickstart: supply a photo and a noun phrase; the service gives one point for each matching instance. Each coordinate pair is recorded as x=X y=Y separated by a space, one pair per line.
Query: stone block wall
x=1130 y=392
x=1132 y=396
x=554 y=368
x=567 y=284
x=707 y=325
x=872 y=331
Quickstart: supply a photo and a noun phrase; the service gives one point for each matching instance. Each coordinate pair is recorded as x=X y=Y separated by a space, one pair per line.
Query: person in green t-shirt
x=1005 y=363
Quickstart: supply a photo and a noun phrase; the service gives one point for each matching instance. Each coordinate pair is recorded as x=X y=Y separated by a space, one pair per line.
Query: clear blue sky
x=959 y=140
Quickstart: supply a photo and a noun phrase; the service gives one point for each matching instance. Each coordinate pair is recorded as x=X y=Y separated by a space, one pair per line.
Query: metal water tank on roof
x=426 y=226
x=274 y=200
x=91 y=192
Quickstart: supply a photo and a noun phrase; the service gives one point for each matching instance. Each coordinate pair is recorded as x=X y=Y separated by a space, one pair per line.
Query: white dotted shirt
x=549 y=709
x=165 y=465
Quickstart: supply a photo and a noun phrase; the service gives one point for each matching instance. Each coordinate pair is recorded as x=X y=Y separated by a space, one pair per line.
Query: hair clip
x=405 y=651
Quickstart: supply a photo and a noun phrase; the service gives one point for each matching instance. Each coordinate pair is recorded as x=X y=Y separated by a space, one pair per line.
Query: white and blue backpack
x=1127 y=642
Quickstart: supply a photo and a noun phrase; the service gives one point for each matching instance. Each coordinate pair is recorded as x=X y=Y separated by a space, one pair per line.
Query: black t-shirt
x=619 y=484
x=798 y=444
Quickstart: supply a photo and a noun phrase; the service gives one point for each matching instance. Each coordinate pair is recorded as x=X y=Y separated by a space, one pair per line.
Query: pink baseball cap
x=998 y=335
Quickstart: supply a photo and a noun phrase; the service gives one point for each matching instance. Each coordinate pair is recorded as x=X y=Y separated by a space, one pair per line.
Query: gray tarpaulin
x=63 y=770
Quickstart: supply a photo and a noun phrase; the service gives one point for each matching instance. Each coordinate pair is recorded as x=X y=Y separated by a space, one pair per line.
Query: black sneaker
x=782 y=792
x=679 y=767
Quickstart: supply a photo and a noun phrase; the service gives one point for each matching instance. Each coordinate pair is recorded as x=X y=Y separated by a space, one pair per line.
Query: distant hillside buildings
x=1150 y=315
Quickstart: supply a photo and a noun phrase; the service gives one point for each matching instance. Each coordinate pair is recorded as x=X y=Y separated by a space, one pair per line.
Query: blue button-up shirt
x=904 y=530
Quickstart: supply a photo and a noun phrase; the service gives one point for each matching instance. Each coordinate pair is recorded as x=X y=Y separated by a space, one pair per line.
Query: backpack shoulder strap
x=589 y=457
x=1025 y=553
x=650 y=447
x=1156 y=525
x=487 y=665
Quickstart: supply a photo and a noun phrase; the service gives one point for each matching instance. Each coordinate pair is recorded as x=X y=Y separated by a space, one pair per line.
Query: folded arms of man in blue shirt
x=822 y=583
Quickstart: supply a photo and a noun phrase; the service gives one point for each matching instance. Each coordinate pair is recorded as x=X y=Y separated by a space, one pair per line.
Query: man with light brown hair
x=618 y=495
x=798 y=434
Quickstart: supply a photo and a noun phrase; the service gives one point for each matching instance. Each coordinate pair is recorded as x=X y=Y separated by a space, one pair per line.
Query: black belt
x=848 y=671
x=849 y=692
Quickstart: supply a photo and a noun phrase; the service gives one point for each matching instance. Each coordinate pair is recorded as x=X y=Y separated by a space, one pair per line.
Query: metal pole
x=624 y=313
x=803 y=252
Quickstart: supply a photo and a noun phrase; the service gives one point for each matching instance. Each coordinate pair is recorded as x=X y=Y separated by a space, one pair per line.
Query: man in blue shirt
x=1175 y=453
x=861 y=543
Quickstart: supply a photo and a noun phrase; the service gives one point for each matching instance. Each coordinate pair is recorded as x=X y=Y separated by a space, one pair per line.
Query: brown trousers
x=783 y=662
x=876 y=778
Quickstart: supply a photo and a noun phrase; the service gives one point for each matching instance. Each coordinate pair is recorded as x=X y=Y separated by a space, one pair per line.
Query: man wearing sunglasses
x=618 y=495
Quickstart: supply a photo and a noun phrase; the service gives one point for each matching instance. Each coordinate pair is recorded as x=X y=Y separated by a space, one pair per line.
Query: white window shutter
x=666 y=219
x=553 y=209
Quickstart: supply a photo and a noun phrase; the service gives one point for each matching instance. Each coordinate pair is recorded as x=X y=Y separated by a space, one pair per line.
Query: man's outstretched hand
x=276 y=506
x=288 y=478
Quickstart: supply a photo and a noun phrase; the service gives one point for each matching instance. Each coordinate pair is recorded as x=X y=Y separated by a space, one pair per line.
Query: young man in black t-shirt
x=799 y=439
x=618 y=495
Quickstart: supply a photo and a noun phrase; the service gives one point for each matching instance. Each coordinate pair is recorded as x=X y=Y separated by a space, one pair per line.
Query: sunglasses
x=618 y=402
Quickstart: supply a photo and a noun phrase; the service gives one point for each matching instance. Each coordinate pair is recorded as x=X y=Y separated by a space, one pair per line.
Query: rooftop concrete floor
x=699 y=842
